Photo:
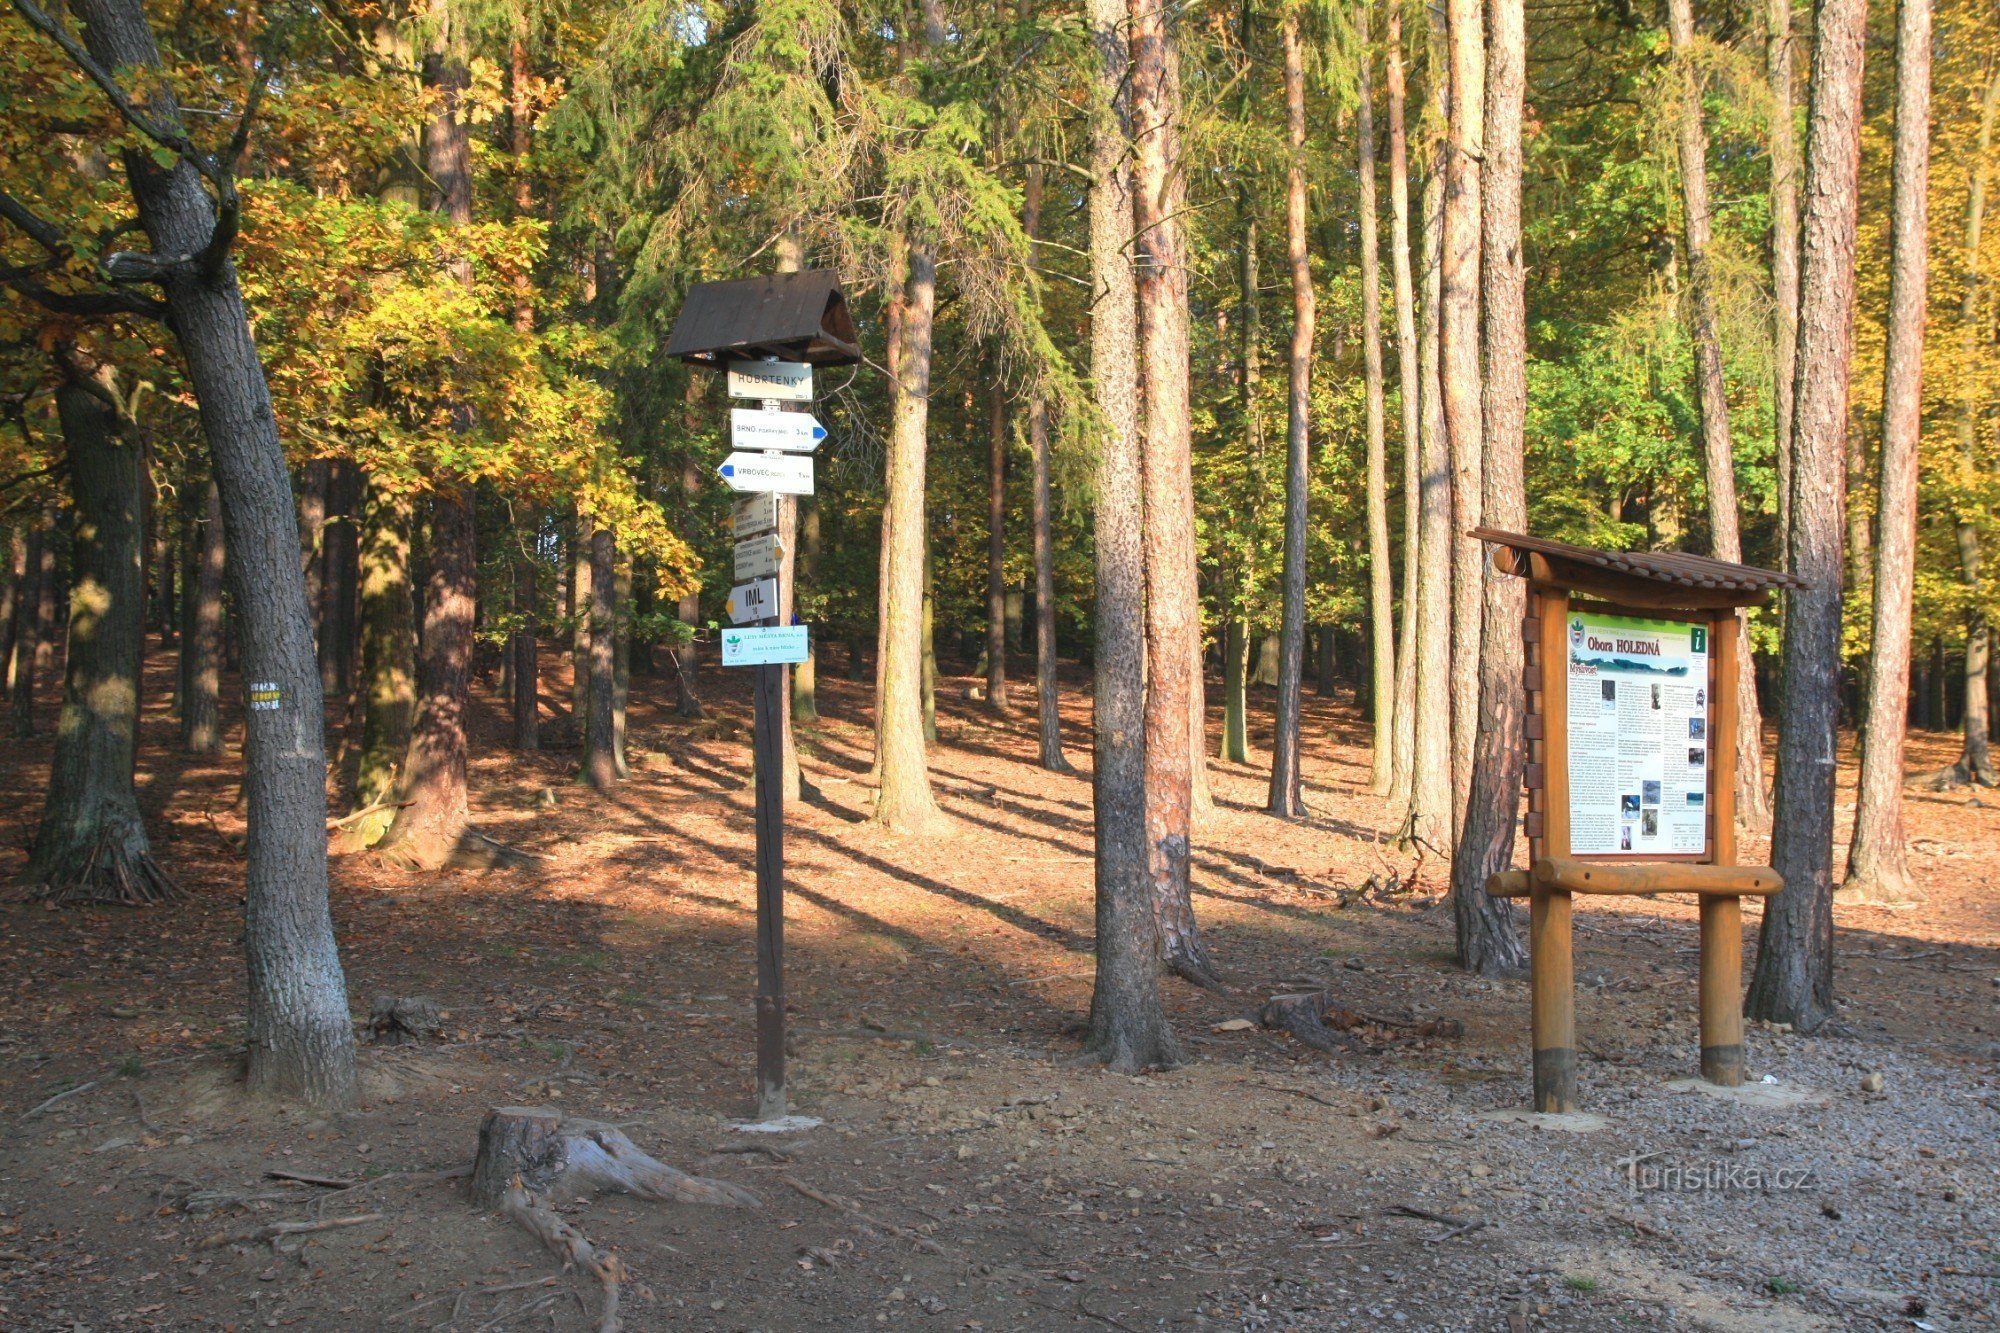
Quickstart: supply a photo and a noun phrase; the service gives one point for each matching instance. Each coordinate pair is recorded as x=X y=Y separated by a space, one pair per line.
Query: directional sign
x=759 y=557
x=787 y=381
x=794 y=432
x=764 y=645
x=754 y=513
x=755 y=600
x=785 y=474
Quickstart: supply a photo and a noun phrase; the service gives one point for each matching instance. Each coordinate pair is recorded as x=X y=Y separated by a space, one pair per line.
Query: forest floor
x=936 y=988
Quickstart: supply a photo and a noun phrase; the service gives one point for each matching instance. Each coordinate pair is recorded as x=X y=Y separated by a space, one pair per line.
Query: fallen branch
x=303 y=1178
x=839 y=1205
x=76 y=1091
x=277 y=1231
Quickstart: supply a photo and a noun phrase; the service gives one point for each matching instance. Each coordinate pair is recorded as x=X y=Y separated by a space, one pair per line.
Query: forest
x=367 y=563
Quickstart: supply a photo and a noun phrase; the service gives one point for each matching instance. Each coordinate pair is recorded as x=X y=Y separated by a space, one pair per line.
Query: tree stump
x=549 y=1152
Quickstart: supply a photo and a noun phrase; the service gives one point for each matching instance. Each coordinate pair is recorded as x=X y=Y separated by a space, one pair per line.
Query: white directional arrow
x=755 y=600
x=785 y=474
x=754 y=428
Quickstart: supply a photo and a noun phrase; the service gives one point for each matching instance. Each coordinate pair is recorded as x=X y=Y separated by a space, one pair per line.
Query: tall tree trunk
x=791 y=257
x=20 y=584
x=996 y=549
x=48 y=591
x=805 y=675
x=92 y=845
x=579 y=639
x=904 y=800
x=1048 y=704
x=28 y=630
x=201 y=646
x=524 y=650
x=1173 y=608
x=1128 y=1024
x=1878 y=868
x=600 y=768
x=388 y=658
x=1235 y=680
x=1404 y=737
x=433 y=814
x=337 y=571
x=621 y=662
x=1488 y=942
x=1784 y=150
x=1718 y=453
x=1975 y=761
x=1381 y=582
x=1459 y=370
x=1793 y=982
x=687 y=656
x=1284 y=799
x=433 y=811
x=1431 y=819
x=301 y=1035
x=312 y=535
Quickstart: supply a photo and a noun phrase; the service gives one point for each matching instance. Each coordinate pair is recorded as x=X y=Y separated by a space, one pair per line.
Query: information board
x=1638 y=727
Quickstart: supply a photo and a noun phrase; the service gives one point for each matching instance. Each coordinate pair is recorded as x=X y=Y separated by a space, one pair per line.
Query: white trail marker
x=784 y=474
x=793 y=432
x=756 y=600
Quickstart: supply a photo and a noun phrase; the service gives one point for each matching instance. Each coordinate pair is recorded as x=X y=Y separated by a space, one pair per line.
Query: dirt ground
x=978 y=1178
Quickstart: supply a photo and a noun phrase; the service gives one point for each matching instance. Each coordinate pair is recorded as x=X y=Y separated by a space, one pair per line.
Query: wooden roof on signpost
x=1649 y=579
x=791 y=316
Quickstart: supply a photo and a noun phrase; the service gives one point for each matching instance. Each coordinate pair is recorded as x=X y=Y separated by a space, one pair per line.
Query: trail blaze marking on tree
x=731 y=325
x=1631 y=732
x=266 y=696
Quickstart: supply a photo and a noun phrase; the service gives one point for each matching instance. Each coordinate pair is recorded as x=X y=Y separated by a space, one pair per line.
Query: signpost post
x=1630 y=727
x=767 y=334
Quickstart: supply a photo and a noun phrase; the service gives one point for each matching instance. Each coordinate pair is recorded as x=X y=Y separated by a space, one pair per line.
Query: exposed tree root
x=472 y=851
x=1321 y=1024
x=569 y=1245
x=108 y=871
x=1957 y=775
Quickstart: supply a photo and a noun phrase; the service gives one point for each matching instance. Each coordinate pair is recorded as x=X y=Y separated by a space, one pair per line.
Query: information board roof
x=792 y=316
x=1708 y=582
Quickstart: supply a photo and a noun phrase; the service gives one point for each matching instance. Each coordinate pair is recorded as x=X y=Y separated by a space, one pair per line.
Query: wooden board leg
x=1722 y=991
x=1553 y=999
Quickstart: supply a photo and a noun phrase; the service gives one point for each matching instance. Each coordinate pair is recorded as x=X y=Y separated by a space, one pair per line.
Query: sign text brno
x=793 y=432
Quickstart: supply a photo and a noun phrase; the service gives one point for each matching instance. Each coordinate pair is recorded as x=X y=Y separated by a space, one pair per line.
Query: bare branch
x=43 y=233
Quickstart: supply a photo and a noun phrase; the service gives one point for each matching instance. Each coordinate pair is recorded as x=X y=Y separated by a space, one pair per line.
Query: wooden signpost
x=1633 y=664
x=767 y=334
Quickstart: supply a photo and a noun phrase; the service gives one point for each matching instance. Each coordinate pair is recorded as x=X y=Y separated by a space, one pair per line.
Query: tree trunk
x=1431 y=817
x=1235 y=679
x=388 y=658
x=524 y=651
x=687 y=656
x=92 y=845
x=600 y=767
x=1173 y=611
x=1381 y=580
x=201 y=646
x=312 y=533
x=579 y=640
x=1878 y=868
x=621 y=663
x=1975 y=761
x=1284 y=799
x=996 y=549
x=1404 y=736
x=790 y=253
x=805 y=675
x=1793 y=982
x=39 y=564
x=1128 y=1024
x=1784 y=150
x=433 y=814
x=337 y=575
x=904 y=800
x=1328 y=664
x=17 y=593
x=1048 y=703
x=301 y=1037
x=1488 y=942
x=1718 y=453
x=1459 y=371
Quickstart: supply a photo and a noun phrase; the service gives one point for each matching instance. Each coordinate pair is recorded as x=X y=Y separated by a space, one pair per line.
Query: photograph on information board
x=1638 y=723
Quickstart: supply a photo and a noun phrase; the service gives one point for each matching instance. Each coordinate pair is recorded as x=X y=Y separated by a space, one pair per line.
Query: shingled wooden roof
x=1713 y=581
x=793 y=316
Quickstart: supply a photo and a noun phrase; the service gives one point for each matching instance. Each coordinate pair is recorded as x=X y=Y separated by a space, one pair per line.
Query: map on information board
x=1638 y=723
